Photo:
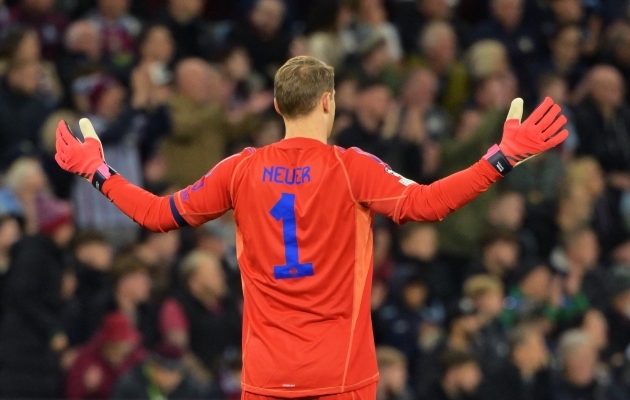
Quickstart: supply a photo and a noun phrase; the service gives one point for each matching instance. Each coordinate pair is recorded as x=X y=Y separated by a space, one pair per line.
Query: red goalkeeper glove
x=82 y=153
x=542 y=130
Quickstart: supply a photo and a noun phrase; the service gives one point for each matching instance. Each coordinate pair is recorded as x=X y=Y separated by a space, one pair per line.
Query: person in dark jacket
x=213 y=318
x=526 y=375
x=31 y=333
x=580 y=377
x=162 y=376
x=460 y=379
x=85 y=311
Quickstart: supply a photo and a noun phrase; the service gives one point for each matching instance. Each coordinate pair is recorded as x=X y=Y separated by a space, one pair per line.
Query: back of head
x=300 y=83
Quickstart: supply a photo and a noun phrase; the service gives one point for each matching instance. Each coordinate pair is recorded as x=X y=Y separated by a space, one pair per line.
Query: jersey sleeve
x=374 y=184
x=206 y=199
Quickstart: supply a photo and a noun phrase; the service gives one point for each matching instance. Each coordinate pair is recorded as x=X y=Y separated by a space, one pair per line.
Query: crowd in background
x=522 y=294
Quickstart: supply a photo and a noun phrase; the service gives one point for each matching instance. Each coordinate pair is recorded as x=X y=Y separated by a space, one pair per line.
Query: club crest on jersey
x=402 y=180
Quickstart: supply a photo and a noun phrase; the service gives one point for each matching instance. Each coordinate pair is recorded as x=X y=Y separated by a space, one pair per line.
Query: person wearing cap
x=31 y=331
x=161 y=377
x=114 y=349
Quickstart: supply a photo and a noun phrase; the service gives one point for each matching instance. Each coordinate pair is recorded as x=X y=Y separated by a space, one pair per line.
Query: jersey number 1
x=284 y=210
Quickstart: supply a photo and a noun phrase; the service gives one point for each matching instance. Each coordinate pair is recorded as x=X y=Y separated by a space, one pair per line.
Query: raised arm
x=374 y=184
x=81 y=153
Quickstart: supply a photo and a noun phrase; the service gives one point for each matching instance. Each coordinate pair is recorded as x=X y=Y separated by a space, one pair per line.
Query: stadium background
x=523 y=294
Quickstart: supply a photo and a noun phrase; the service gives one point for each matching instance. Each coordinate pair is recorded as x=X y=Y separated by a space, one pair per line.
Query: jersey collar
x=299 y=142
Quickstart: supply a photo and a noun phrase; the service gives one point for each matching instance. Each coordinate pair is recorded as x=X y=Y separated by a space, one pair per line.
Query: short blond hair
x=480 y=285
x=299 y=84
x=387 y=356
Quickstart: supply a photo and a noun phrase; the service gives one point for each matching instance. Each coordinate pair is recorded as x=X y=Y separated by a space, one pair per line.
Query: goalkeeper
x=304 y=211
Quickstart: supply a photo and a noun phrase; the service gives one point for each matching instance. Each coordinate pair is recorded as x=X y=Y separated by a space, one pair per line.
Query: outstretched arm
x=384 y=191
x=81 y=153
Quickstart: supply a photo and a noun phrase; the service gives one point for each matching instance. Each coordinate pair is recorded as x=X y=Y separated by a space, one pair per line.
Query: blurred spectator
x=439 y=50
x=93 y=255
x=5 y=18
x=162 y=375
x=499 y=255
x=565 y=59
x=32 y=339
x=419 y=249
x=580 y=378
x=158 y=251
x=372 y=20
x=460 y=377
x=213 y=319
x=10 y=233
x=565 y=12
x=619 y=51
x=132 y=296
x=25 y=182
x=114 y=350
x=526 y=376
x=263 y=37
x=22 y=110
x=49 y=24
x=375 y=130
x=491 y=348
x=119 y=30
x=618 y=314
x=375 y=63
x=201 y=129
x=411 y=17
x=189 y=30
x=487 y=58
x=392 y=367
x=594 y=324
x=121 y=128
x=520 y=40
x=328 y=37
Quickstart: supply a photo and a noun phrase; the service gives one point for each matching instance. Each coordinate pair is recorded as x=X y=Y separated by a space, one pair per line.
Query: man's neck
x=306 y=127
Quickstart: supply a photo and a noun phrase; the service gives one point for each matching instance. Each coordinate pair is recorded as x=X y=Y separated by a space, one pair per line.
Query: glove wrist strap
x=101 y=175
x=497 y=159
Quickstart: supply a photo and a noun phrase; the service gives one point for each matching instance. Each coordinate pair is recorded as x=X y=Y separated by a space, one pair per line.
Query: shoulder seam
x=345 y=172
x=252 y=151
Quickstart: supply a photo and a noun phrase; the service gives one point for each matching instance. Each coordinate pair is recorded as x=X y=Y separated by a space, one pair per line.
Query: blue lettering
x=286 y=176
x=276 y=176
x=298 y=174
x=305 y=174
x=267 y=173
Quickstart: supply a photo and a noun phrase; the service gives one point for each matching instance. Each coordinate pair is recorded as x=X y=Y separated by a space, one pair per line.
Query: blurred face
x=532 y=354
x=376 y=101
x=504 y=254
x=159 y=45
x=607 y=87
x=111 y=102
x=167 y=245
x=136 y=285
x=29 y=48
x=566 y=46
x=346 y=95
x=585 y=250
x=39 y=6
x=557 y=90
x=267 y=16
x=469 y=377
x=536 y=284
x=422 y=243
x=394 y=378
x=508 y=12
x=26 y=78
x=113 y=8
x=10 y=233
x=415 y=295
x=490 y=304
x=238 y=65
x=596 y=327
x=621 y=303
x=421 y=89
x=208 y=280
x=579 y=367
x=165 y=379
x=508 y=212
x=445 y=51
x=97 y=255
x=567 y=10
x=115 y=353
x=435 y=9
x=186 y=9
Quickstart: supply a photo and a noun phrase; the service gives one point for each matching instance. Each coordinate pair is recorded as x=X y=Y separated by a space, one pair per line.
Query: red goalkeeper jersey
x=304 y=212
